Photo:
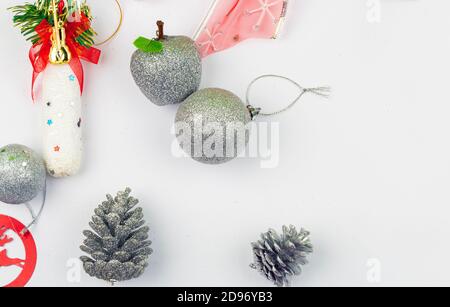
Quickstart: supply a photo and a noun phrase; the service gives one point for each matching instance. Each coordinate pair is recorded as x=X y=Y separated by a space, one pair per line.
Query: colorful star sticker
x=50 y=122
x=56 y=148
x=72 y=78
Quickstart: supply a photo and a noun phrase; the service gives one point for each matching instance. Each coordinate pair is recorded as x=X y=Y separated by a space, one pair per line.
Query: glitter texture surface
x=218 y=123
x=61 y=109
x=118 y=245
x=22 y=174
x=171 y=76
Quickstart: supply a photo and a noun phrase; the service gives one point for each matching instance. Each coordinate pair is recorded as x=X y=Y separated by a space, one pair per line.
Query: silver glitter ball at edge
x=168 y=77
x=212 y=126
x=22 y=174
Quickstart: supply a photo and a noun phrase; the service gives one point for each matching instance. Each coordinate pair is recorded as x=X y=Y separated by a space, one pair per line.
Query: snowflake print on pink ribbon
x=209 y=44
x=230 y=22
x=265 y=9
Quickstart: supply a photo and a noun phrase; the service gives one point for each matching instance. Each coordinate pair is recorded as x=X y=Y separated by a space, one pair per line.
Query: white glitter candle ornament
x=61 y=35
x=61 y=119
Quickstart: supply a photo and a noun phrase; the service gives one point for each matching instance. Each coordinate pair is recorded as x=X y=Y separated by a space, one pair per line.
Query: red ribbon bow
x=39 y=52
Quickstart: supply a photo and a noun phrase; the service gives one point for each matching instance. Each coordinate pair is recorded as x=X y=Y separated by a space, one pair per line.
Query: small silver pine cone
x=279 y=258
x=118 y=246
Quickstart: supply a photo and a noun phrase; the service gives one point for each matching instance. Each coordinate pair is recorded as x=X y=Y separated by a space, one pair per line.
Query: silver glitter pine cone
x=280 y=257
x=170 y=76
x=212 y=126
x=22 y=174
x=118 y=245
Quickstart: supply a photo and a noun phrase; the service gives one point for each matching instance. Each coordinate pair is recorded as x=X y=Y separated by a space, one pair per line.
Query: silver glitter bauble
x=212 y=126
x=22 y=174
x=170 y=76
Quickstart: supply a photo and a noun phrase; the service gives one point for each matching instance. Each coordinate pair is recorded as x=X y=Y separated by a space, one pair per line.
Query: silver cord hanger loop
x=254 y=111
x=34 y=216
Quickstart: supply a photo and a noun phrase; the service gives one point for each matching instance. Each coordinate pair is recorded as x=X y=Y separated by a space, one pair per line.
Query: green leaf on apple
x=148 y=45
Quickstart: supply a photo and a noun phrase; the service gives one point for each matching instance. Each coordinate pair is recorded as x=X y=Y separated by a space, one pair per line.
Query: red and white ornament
x=13 y=232
x=61 y=39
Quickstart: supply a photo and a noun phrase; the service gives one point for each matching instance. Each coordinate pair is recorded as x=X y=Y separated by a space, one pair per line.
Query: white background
x=367 y=172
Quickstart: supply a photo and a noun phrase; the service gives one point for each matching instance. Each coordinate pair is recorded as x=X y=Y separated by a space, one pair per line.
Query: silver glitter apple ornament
x=22 y=174
x=167 y=69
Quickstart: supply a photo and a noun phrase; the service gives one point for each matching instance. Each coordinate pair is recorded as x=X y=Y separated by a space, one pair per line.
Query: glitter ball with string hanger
x=213 y=125
x=22 y=174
